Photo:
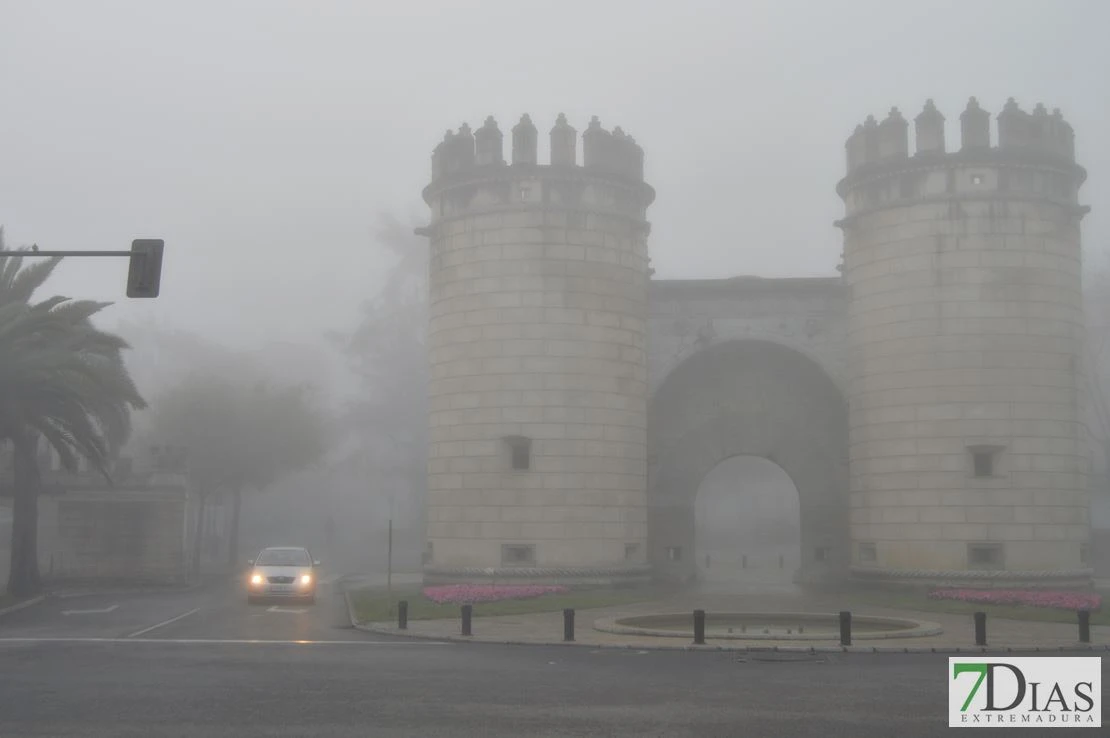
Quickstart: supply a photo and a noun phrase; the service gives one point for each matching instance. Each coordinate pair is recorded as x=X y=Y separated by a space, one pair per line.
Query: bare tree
x=239 y=435
x=388 y=351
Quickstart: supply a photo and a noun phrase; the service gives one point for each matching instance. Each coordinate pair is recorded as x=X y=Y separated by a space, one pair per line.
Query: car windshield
x=283 y=557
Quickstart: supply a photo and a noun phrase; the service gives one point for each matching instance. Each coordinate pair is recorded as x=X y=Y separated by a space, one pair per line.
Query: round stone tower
x=966 y=331
x=538 y=290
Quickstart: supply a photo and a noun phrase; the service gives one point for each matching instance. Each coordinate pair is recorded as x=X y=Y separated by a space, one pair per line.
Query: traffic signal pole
x=144 y=275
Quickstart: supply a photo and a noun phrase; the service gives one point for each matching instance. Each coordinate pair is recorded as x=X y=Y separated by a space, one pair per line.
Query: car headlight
x=306 y=579
x=256 y=579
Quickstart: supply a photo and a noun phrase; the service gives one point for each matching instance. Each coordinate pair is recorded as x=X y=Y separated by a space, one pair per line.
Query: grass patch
x=918 y=601
x=372 y=605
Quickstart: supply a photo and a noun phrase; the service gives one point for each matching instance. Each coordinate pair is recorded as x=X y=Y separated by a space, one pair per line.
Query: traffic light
x=144 y=275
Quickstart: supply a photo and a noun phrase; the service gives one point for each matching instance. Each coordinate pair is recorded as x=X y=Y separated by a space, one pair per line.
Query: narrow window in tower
x=516 y=554
x=984 y=555
x=867 y=553
x=630 y=550
x=984 y=463
x=1084 y=554
x=983 y=460
x=821 y=553
x=520 y=452
x=674 y=553
x=977 y=179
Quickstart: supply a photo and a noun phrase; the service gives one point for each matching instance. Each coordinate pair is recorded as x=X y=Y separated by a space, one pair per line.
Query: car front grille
x=280 y=580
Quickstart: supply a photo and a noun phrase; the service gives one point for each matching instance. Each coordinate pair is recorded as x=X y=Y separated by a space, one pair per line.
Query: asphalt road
x=204 y=663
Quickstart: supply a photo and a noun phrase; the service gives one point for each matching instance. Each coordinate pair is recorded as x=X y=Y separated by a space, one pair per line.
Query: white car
x=284 y=572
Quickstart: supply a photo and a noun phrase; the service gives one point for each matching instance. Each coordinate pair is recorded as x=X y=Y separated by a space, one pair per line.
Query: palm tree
x=61 y=380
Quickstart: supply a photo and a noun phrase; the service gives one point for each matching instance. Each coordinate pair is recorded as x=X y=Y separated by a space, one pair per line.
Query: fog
x=262 y=140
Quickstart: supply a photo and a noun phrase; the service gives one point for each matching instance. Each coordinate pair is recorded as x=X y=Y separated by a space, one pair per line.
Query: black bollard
x=699 y=627
x=466 y=611
x=402 y=615
x=980 y=629
x=845 y=628
x=1084 y=626
x=568 y=625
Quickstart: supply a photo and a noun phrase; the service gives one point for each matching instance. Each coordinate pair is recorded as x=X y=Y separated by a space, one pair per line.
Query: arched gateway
x=748 y=398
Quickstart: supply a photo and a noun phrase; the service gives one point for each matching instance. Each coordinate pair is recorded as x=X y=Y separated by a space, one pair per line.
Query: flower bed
x=472 y=593
x=1027 y=598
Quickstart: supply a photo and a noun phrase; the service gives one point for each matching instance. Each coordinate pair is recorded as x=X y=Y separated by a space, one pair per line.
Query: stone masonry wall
x=966 y=330
x=538 y=321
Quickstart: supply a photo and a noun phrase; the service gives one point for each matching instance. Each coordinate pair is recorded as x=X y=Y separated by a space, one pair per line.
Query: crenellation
x=893 y=136
x=595 y=146
x=975 y=127
x=564 y=143
x=870 y=140
x=929 y=130
x=1016 y=129
x=525 y=142
x=489 y=144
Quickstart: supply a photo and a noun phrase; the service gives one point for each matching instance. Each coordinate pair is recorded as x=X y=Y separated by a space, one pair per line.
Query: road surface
x=204 y=663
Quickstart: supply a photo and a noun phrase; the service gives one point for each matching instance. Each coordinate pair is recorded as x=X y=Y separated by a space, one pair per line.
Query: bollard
x=568 y=625
x=980 y=629
x=744 y=561
x=699 y=627
x=402 y=615
x=466 y=612
x=845 y=628
x=1084 y=626
x=782 y=561
x=340 y=611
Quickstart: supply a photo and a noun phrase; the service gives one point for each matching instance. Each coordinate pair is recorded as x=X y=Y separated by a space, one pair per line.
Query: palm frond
x=60 y=440
x=26 y=282
x=59 y=375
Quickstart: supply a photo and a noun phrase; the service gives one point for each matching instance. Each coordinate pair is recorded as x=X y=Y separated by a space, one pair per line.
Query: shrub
x=1027 y=598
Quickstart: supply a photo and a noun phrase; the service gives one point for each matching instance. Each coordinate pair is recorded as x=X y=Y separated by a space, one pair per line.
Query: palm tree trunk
x=23 y=577
x=233 y=533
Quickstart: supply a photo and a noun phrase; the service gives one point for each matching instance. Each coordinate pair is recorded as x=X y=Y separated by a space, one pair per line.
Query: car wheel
x=312 y=600
x=252 y=600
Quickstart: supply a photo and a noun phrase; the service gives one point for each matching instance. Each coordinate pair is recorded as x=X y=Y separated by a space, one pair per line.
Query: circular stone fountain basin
x=768 y=626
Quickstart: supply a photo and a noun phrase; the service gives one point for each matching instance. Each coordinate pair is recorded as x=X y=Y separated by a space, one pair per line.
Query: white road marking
x=90 y=612
x=164 y=622
x=221 y=642
x=278 y=608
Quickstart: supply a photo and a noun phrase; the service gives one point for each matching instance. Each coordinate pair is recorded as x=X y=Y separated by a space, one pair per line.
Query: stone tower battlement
x=1034 y=158
x=470 y=173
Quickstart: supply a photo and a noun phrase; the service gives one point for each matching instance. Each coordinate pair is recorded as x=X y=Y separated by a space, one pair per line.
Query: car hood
x=282 y=571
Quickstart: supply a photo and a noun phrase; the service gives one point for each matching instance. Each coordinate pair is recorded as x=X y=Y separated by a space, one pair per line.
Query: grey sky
x=240 y=131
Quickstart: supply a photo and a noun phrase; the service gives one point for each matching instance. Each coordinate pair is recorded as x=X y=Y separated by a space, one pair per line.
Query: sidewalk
x=957 y=630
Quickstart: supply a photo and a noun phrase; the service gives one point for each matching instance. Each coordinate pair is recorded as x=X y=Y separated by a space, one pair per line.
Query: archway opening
x=748 y=398
x=747 y=524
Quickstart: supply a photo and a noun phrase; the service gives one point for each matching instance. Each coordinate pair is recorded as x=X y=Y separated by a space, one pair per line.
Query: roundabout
x=768 y=626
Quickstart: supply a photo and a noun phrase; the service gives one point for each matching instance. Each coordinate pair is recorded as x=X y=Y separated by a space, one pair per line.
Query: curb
x=20 y=605
x=1077 y=648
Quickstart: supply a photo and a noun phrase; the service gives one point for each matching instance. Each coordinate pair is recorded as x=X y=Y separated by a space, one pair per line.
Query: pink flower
x=1028 y=598
x=472 y=593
